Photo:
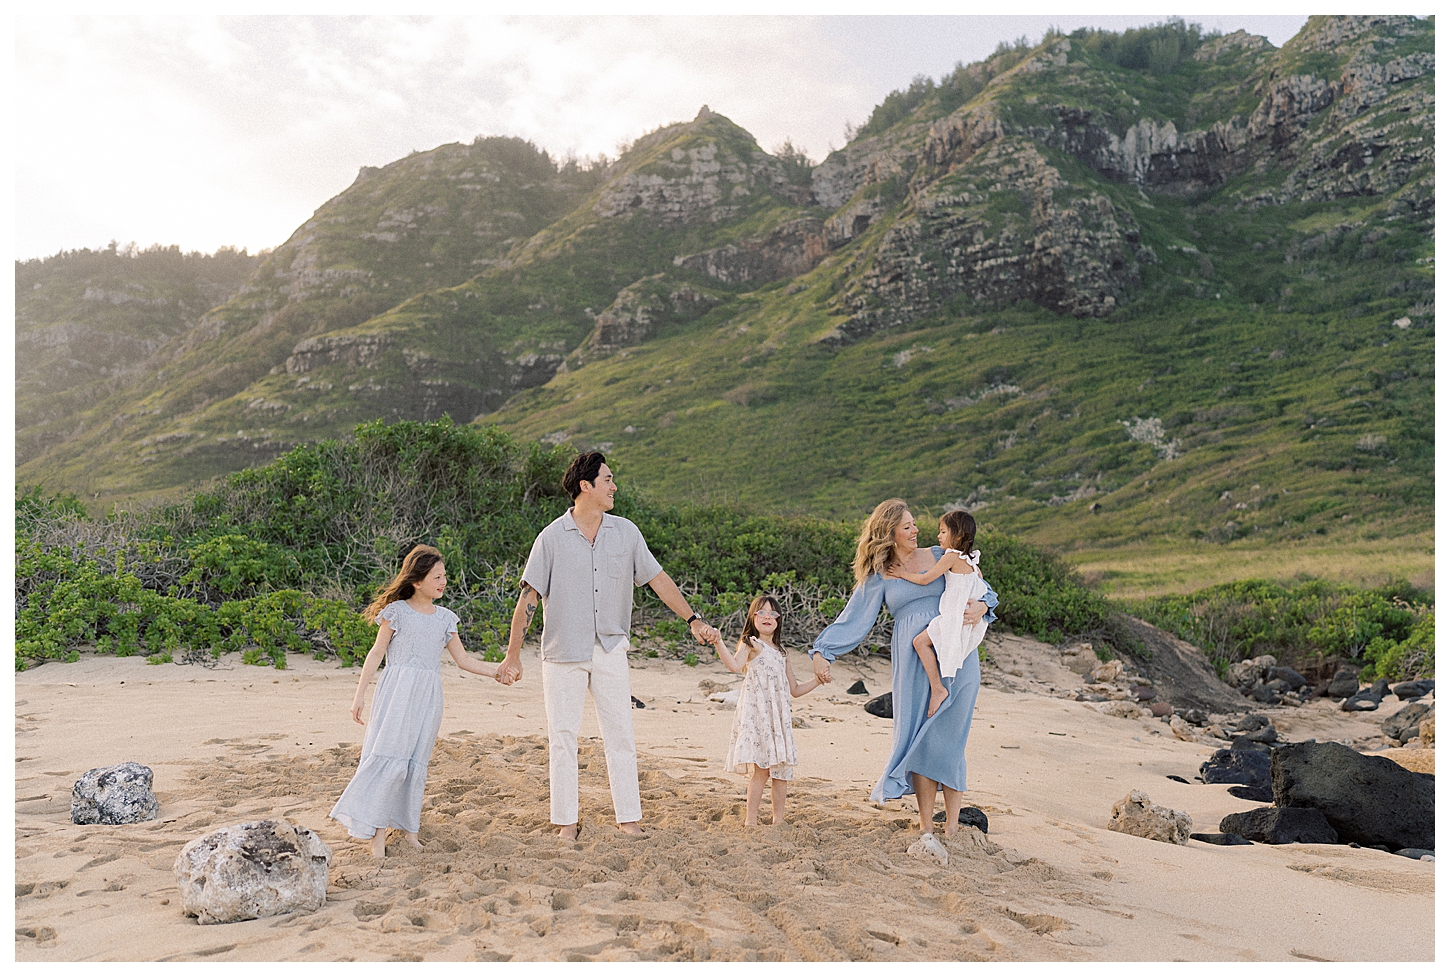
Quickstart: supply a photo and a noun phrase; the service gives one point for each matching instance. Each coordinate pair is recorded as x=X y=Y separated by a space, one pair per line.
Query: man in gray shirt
x=584 y=567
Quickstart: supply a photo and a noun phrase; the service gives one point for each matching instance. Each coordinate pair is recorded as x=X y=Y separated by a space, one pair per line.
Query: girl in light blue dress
x=927 y=752
x=407 y=711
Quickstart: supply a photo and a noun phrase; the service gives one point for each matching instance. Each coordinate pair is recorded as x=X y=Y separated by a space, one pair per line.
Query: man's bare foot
x=379 y=843
x=938 y=696
x=631 y=828
x=412 y=839
x=569 y=831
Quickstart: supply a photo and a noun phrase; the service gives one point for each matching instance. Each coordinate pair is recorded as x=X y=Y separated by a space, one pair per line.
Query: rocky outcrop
x=114 y=795
x=708 y=179
x=252 y=870
x=791 y=249
x=357 y=350
x=637 y=313
x=1137 y=815
x=1068 y=251
x=1181 y=673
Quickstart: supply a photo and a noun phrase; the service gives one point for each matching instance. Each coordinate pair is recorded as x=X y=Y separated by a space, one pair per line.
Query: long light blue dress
x=403 y=724
x=933 y=747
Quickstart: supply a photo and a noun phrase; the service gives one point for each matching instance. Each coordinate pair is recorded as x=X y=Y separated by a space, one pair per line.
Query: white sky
x=210 y=131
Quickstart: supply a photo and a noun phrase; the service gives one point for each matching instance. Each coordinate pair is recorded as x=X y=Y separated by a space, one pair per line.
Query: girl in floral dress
x=761 y=743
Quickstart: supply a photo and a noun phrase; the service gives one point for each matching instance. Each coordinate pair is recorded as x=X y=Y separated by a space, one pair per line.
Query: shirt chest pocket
x=617 y=565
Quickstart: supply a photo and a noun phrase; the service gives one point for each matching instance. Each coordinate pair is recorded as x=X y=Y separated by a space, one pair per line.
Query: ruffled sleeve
x=990 y=599
x=391 y=614
x=452 y=629
x=854 y=622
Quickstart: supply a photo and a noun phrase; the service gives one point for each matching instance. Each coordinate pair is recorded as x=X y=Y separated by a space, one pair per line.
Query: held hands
x=821 y=667
x=510 y=670
x=703 y=633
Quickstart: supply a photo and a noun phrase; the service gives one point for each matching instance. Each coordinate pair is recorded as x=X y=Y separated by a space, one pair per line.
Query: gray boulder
x=1370 y=800
x=1344 y=684
x=1365 y=701
x=1405 y=724
x=251 y=870
x=114 y=795
x=1281 y=826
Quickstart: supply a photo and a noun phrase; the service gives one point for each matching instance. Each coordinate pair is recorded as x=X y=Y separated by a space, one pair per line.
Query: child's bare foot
x=411 y=838
x=379 y=842
x=938 y=696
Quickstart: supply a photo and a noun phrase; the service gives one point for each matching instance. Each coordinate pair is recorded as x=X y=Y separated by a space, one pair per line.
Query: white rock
x=1108 y=671
x=729 y=698
x=252 y=870
x=1137 y=815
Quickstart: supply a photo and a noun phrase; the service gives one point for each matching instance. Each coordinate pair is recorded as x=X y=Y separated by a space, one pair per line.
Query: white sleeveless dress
x=953 y=640
x=761 y=734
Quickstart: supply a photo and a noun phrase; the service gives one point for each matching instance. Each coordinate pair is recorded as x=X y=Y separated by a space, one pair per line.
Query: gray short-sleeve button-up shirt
x=588 y=591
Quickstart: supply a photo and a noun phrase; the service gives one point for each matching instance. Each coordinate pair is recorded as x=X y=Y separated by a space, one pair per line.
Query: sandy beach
x=1049 y=882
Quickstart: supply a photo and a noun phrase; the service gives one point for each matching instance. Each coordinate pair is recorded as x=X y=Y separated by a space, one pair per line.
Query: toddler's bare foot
x=938 y=696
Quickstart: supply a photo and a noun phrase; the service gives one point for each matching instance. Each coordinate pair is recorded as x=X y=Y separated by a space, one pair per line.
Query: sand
x=1049 y=883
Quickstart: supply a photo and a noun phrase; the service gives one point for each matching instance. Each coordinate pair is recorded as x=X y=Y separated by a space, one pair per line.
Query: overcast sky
x=217 y=131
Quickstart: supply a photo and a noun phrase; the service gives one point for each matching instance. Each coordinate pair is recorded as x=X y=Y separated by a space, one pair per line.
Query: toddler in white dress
x=949 y=639
x=761 y=742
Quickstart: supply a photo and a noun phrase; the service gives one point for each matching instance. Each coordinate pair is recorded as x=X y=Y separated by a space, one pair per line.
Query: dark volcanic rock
x=1363 y=702
x=1245 y=745
x=1179 y=673
x=1266 y=694
x=1289 y=677
x=880 y=706
x=1281 y=826
x=1251 y=722
x=1195 y=717
x=1405 y=724
x=1267 y=734
x=1220 y=839
x=1237 y=767
x=1244 y=792
x=1366 y=799
x=1413 y=690
x=113 y=795
x=972 y=817
x=1380 y=689
x=859 y=688
x=1344 y=684
x=1416 y=853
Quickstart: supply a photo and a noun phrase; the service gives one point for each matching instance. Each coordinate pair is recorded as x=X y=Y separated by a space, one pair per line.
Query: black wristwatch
x=692 y=619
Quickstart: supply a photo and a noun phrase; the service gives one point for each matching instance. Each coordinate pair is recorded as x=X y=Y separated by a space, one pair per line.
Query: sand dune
x=833 y=883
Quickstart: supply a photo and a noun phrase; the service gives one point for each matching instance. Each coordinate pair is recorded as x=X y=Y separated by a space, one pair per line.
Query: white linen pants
x=606 y=675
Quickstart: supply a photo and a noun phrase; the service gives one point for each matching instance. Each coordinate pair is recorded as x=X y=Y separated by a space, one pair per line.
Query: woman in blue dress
x=926 y=752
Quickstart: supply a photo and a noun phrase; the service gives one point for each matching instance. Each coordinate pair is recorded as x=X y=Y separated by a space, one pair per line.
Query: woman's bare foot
x=379 y=843
x=569 y=831
x=938 y=696
x=411 y=837
x=631 y=828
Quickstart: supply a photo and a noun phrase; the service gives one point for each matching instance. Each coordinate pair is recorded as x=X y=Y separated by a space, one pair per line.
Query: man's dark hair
x=584 y=468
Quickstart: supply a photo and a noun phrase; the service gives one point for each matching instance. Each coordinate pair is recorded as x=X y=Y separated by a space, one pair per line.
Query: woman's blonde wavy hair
x=875 y=547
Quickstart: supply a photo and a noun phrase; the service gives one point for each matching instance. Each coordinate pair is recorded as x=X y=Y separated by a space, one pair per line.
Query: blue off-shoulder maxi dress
x=935 y=748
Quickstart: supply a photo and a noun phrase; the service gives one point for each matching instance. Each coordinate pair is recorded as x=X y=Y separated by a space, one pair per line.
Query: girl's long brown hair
x=751 y=631
x=876 y=546
x=419 y=562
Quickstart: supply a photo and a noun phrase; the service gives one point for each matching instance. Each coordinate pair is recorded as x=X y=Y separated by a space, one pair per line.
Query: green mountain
x=1106 y=288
